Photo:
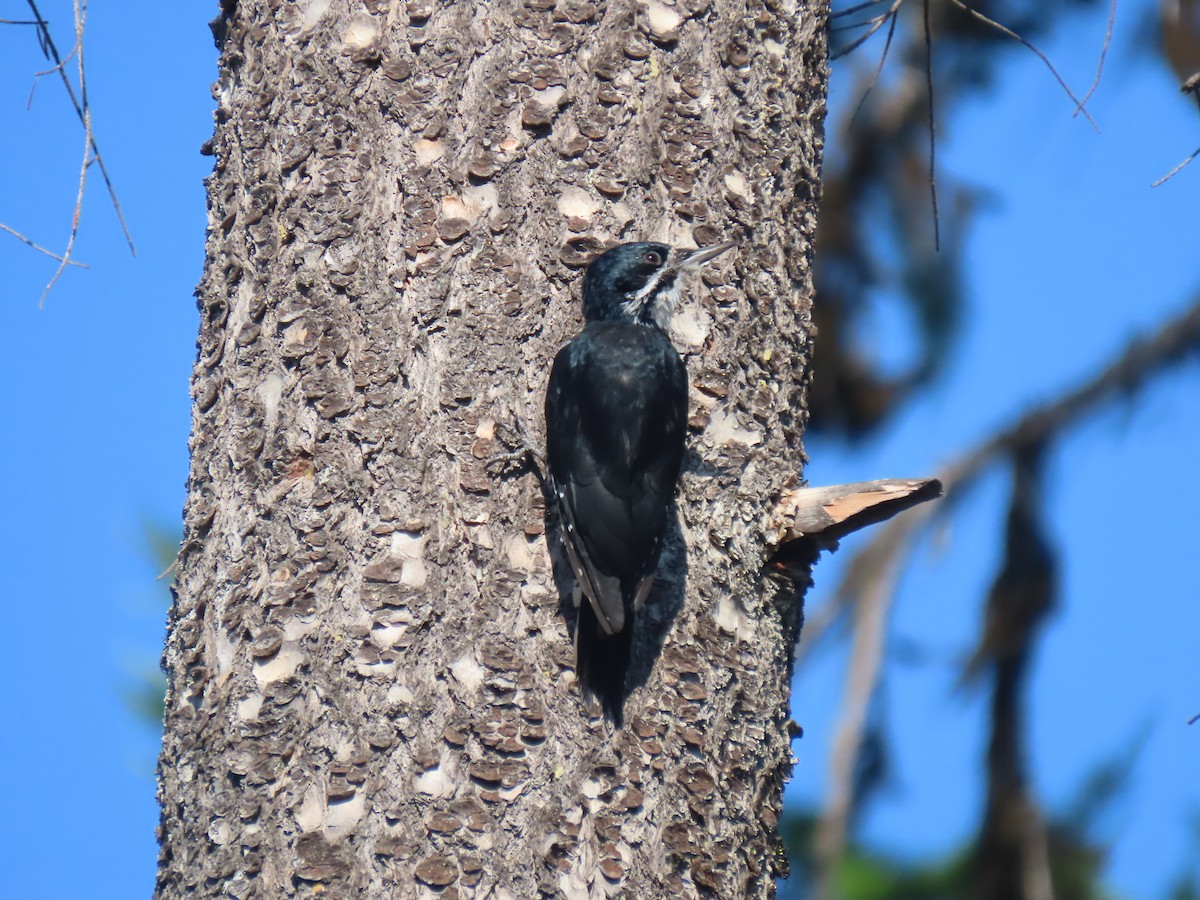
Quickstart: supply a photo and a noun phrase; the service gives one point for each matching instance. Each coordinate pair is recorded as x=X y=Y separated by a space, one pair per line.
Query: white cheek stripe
x=650 y=285
x=664 y=306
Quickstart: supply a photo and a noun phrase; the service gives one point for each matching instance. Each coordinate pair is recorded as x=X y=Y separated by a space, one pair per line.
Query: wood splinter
x=809 y=519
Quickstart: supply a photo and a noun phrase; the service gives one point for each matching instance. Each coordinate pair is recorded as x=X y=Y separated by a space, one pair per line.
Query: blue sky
x=1080 y=254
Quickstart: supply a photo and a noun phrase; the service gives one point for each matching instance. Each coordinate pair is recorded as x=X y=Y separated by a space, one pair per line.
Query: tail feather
x=602 y=662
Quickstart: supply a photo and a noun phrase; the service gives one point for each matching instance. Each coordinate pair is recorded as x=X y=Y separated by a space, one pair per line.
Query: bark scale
x=371 y=687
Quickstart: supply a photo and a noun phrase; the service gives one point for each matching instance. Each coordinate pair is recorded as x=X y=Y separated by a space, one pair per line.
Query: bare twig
x=40 y=249
x=887 y=45
x=1108 y=31
x=168 y=570
x=877 y=21
x=876 y=24
x=80 y=21
x=937 y=235
x=48 y=42
x=66 y=257
x=1179 y=168
x=1040 y=55
x=858 y=7
x=48 y=50
x=1190 y=86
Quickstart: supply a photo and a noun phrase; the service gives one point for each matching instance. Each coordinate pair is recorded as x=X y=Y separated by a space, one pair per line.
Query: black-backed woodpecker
x=616 y=413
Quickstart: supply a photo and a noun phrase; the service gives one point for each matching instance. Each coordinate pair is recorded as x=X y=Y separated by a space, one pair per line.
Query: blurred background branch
x=877 y=247
x=1020 y=597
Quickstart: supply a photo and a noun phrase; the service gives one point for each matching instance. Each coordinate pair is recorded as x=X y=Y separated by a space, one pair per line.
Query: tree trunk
x=371 y=674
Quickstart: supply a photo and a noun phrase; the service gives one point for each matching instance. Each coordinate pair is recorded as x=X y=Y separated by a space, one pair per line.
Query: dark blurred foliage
x=1188 y=885
x=145 y=696
x=1178 y=32
x=881 y=244
x=862 y=875
x=1075 y=854
x=875 y=237
x=1011 y=858
x=1017 y=855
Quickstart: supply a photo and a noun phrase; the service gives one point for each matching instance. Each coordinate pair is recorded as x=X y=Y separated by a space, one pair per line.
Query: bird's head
x=640 y=282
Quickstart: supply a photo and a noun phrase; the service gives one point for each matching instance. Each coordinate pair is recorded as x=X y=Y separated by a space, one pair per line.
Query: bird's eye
x=653 y=258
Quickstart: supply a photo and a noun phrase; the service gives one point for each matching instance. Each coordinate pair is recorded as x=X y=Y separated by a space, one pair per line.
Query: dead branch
x=887 y=45
x=875 y=23
x=1179 y=168
x=825 y=515
x=66 y=257
x=38 y=247
x=77 y=52
x=1141 y=360
x=59 y=64
x=890 y=16
x=1190 y=86
x=80 y=104
x=1108 y=33
x=1079 y=107
x=858 y=7
x=937 y=231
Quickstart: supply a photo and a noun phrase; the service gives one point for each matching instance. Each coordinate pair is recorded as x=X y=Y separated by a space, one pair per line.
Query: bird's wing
x=573 y=481
x=615 y=413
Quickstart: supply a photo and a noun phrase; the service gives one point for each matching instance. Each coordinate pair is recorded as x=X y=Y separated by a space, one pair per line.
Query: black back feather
x=616 y=413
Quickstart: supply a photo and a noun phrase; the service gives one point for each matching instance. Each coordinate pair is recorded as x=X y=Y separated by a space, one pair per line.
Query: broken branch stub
x=816 y=518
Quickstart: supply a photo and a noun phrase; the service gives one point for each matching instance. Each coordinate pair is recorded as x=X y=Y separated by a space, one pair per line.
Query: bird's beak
x=698 y=257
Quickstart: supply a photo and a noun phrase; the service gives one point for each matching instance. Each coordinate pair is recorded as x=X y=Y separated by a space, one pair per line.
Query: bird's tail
x=602 y=662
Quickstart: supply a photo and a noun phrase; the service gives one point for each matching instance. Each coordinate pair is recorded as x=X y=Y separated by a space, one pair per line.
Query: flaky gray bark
x=371 y=686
